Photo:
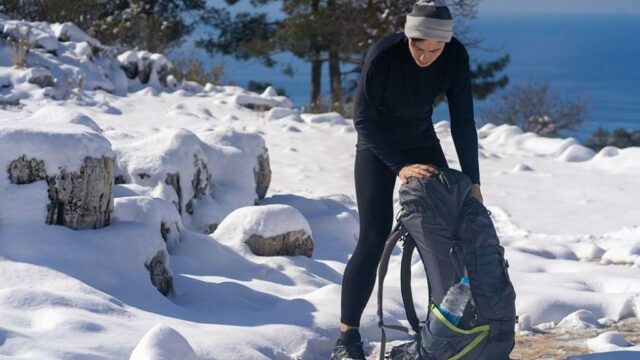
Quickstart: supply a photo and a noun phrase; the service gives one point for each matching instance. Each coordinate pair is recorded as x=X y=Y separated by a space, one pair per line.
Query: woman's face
x=426 y=51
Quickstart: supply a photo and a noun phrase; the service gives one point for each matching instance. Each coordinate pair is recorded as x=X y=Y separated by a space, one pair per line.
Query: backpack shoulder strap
x=408 y=247
x=392 y=240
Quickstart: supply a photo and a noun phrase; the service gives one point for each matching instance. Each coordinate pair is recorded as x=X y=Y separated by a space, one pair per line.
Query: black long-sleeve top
x=394 y=102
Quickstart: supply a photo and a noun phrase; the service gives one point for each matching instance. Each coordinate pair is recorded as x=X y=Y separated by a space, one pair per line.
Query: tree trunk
x=316 y=80
x=336 y=80
x=316 y=66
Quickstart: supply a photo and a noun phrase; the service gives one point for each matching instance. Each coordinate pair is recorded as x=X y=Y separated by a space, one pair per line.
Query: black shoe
x=347 y=351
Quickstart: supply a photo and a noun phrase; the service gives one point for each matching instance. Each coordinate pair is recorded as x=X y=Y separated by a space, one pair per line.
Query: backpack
x=455 y=237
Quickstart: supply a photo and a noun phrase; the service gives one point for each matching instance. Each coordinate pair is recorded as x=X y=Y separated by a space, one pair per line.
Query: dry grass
x=557 y=346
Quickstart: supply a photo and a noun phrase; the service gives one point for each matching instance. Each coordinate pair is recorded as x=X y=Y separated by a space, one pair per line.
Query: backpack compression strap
x=392 y=240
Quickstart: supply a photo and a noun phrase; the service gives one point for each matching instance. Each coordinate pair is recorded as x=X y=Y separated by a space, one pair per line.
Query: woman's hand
x=475 y=191
x=417 y=170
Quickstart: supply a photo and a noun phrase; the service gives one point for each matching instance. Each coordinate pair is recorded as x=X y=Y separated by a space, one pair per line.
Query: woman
x=402 y=75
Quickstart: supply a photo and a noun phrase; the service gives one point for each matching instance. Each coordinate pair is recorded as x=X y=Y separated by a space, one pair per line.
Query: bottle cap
x=464 y=280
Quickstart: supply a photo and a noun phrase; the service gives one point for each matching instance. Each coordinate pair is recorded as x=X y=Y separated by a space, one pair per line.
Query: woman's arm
x=368 y=97
x=463 y=127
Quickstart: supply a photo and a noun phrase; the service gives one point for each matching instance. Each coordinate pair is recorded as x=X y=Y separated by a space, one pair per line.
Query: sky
x=560 y=6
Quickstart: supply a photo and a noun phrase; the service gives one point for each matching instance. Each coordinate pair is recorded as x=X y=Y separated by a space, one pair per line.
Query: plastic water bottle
x=454 y=302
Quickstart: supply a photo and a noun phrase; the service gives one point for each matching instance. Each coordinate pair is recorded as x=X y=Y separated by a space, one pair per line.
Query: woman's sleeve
x=463 y=126
x=368 y=97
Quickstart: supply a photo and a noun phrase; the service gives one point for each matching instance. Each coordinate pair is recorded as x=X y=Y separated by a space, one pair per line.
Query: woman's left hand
x=475 y=191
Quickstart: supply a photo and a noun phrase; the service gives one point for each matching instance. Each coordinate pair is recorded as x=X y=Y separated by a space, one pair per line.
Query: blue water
x=595 y=58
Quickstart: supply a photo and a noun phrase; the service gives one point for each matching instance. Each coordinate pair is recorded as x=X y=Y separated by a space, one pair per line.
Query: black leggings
x=375 y=183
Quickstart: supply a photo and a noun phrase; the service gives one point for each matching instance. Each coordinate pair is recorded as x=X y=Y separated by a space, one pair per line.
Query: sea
x=592 y=58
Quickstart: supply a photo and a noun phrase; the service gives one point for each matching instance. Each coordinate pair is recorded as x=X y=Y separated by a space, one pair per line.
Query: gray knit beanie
x=430 y=20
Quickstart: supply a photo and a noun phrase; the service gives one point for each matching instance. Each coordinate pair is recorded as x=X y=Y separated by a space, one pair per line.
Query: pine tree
x=337 y=32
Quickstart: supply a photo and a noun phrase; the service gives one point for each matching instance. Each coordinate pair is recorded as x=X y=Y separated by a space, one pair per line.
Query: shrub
x=536 y=108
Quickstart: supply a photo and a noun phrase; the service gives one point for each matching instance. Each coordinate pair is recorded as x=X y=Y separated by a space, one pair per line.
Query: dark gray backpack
x=455 y=237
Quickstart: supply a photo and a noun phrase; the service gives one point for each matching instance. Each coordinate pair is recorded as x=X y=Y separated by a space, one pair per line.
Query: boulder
x=267 y=230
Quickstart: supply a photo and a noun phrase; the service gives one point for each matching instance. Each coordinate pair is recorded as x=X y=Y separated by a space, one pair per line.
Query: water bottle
x=454 y=302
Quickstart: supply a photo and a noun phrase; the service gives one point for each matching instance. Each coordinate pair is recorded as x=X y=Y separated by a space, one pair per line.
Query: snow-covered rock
x=524 y=325
x=39 y=76
x=265 y=101
x=267 y=230
x=71 y=32
x=332 y=118
x=578 y=321
x=253 y=150
x=176 y=158
x=608 y=341
x=622 y=254
x=587 y=251
x=521 y=168
x=55 y=114
x=157 y=212
x=278 y=113
x=76 y=163
x=575 y=153
x=163 y=343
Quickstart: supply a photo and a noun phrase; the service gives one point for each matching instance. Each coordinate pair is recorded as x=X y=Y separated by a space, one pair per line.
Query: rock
x=266 y=230
x=40 y=76
x=201 y=181
x=296 y=242
x=173 y=180
x=160 y=69
x=164 y=231
x=145 y=66
x=26 y=171
x=212 y=228
x=10 y=99
x=191 y=86
x=160 y=274
x=82 y=200
x=69 y=31
x=262 y=174
x=5 y=82
x=129 y=64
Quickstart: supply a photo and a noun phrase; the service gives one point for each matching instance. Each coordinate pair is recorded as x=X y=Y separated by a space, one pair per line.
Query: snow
x=568 y=219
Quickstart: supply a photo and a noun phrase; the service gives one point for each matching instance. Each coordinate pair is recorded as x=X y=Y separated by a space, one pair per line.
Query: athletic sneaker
x=347 y=351
x=348 y=346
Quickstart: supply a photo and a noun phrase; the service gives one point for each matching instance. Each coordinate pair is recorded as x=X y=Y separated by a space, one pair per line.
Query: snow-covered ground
x=568 y=218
